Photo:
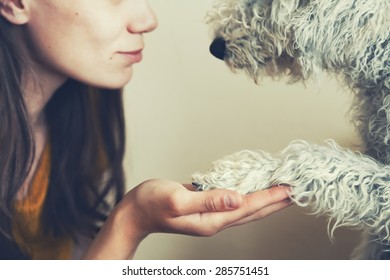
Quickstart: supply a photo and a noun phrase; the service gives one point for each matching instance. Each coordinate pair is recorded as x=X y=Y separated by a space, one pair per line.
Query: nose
x=218 y=48
x=144 y=19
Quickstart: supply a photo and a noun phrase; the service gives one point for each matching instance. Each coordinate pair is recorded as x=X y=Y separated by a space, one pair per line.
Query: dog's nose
x=218 y=48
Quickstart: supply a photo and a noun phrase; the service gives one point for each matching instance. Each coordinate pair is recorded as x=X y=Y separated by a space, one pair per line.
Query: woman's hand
x=167 y=206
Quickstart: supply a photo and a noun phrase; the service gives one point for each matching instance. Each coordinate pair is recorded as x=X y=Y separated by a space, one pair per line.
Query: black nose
x=218 y=48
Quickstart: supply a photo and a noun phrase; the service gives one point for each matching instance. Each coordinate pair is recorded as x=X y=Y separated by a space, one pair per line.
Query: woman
x=63 y=64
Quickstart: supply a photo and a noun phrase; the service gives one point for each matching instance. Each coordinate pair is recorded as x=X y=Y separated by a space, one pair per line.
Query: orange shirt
x=27 y=227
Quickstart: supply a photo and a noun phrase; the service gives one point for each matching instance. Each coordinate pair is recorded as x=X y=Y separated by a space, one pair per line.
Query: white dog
x=301 y=38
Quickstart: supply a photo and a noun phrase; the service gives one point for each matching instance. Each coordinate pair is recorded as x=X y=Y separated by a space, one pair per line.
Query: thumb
x=217 y=200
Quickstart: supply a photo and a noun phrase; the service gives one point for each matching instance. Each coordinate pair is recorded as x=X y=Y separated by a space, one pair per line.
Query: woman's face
x=92 y=41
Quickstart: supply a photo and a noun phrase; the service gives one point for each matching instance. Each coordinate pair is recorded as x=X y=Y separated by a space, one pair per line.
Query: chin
x=113 y=83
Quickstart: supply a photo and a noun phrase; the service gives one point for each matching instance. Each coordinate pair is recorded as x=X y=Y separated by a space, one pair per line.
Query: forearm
x=117 y=239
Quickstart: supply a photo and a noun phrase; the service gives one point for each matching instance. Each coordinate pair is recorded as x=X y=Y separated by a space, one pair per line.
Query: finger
x=190 y=187
x=260 y=199
x=263 y=213
x=212 y=223
x=217 y=200
x=255 y=205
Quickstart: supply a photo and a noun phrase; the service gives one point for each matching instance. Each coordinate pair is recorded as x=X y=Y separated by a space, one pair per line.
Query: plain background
x=185 y=109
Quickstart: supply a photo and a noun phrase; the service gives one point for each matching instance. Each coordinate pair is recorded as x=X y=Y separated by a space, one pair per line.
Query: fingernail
x=232 y=201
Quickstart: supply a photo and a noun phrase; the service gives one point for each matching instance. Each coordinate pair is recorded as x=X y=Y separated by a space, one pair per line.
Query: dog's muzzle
x=218 y=48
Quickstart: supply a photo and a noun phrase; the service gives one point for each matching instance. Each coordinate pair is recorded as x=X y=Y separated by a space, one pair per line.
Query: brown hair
x=87 y=136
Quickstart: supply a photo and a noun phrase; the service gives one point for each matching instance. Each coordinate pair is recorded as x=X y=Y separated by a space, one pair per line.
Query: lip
x=132 y=56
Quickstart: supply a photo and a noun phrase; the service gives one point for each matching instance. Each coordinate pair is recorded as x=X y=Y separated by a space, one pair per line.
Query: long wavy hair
x=86 y=134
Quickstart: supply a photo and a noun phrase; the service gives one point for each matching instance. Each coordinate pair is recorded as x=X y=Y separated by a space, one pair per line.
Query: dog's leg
x=244 y=172
x=352 y=189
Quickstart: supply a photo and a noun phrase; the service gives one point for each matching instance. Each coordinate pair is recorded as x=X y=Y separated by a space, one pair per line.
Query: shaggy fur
x=301 y=39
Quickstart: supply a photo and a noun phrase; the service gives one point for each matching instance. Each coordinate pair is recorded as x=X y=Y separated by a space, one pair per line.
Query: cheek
x=82 y=51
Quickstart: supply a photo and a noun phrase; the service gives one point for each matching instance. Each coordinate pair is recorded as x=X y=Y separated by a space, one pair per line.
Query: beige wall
x=185 y=109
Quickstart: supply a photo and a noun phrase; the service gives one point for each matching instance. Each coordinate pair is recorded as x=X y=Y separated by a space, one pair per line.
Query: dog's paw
x=245 y=172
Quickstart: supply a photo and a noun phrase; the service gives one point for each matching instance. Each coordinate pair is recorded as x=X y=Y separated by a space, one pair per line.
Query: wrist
x=118 y=238
x=125 y=218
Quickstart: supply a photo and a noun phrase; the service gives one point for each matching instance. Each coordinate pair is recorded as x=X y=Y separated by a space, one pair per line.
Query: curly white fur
x=350 y=38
